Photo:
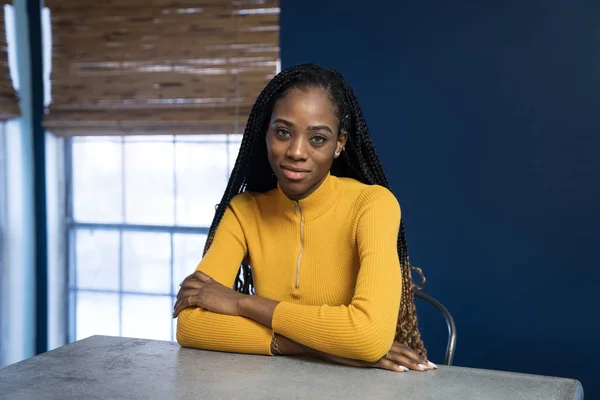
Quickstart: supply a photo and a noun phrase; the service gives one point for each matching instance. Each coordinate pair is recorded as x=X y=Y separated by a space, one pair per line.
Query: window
x=138 y=213
x=138 y=207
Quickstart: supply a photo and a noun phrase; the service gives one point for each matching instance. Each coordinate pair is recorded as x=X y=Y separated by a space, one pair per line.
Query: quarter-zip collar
x=314 y=205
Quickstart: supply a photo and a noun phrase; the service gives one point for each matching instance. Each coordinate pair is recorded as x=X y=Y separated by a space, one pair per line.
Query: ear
x=341 y=143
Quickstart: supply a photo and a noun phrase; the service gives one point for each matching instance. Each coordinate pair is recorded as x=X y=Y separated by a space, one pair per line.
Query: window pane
x=187 y=253
x=149 y=183
x=97 y=183
x=147 y=317
x=97 y=314
x=146 y=262
x=201 y=173
x=97 y=259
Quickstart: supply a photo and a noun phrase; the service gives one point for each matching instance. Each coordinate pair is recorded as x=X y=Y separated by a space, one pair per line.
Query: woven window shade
x=9 y=104
x=123 y=67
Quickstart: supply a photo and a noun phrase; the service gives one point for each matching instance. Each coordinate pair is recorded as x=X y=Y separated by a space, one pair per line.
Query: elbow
x=183 y=336
x=372 y=343
x=373 y=335
x=182 y=340
x=375 y=355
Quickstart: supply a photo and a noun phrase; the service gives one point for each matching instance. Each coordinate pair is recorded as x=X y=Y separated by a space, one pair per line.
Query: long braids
x=360 y=161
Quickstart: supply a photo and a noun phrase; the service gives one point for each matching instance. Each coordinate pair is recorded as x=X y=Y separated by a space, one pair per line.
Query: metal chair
x=450 y=348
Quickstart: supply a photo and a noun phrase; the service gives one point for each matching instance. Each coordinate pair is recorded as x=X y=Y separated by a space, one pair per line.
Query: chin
x=294 y=189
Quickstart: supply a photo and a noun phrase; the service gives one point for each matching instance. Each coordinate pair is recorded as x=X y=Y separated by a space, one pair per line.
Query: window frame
x=72 y=226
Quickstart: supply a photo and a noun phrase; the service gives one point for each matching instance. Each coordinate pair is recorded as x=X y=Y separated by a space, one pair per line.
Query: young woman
x=308 y=215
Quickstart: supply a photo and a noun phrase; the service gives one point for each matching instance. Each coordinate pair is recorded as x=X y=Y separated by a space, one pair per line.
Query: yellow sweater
x=330 y=259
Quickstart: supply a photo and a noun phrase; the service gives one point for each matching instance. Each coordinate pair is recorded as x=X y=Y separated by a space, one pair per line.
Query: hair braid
x=407 y=329
x=360 y=161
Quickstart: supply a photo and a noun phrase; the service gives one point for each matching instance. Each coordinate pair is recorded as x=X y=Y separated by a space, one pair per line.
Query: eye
x=282 y=132
x=318 y=139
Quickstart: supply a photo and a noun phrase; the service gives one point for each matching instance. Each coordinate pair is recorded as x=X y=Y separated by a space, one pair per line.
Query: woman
x=307 y=207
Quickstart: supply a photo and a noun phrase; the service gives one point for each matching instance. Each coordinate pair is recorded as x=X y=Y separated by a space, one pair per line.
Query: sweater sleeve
x=206 y=330
x=364 y=329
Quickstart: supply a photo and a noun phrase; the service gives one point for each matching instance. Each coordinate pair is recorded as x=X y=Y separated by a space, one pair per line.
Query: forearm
x=246 y=332
x=287 y=347
x=280 y=345
x=344 y=331
x=256 y=308
x=261 y=310
x=206 y=330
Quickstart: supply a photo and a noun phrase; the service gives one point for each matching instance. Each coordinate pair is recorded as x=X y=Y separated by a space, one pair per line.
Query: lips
x=295 y=174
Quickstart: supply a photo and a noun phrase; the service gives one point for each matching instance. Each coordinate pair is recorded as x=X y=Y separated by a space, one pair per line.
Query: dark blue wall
x=487 y=119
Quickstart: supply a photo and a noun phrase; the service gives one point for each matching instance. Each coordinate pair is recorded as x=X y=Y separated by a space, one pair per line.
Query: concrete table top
x=103 y=367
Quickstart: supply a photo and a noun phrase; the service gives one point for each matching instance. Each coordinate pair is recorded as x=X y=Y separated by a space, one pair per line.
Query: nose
x=298 y=149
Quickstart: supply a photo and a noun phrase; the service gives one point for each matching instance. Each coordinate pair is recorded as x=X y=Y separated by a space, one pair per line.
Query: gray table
x=104 y=367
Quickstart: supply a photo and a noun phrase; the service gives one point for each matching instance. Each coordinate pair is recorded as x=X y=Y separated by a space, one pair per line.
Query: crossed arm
x=213 y=316
x=200 y=290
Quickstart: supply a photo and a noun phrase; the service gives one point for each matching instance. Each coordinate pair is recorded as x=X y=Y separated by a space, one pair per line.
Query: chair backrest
x=451 y=347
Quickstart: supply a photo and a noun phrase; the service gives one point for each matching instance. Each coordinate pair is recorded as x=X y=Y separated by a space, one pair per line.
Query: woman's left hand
x=200 y=290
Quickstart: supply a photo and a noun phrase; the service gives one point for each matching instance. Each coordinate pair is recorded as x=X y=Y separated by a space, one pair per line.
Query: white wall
x=18 y=288
x=18 y=285
x=57 y=260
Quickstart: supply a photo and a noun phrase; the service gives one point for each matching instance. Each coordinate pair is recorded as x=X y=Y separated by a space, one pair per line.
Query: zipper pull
x=298 y=206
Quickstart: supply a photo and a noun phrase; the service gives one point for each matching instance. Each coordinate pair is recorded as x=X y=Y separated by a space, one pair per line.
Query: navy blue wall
x=487 y=119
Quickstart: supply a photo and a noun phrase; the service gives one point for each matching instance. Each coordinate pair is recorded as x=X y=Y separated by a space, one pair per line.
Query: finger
x=420 y=359
x=185 y=293
x=179 y=299
x=188 y=278
x=178 y=307
x=179 y=292
x=182 y=304
x=388 y=364
x=408 y=352
x=201 y=276
x=191 y=284
x=406 y=362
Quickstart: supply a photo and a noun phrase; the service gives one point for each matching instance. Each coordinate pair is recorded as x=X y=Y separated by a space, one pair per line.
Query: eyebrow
x=284 y=122
x=310 y=128
x=320 y=128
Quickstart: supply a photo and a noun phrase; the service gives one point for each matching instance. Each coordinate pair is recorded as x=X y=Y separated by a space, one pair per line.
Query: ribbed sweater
x=330 y=259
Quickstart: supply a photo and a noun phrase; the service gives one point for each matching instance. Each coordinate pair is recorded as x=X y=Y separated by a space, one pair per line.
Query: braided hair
x=360 y=161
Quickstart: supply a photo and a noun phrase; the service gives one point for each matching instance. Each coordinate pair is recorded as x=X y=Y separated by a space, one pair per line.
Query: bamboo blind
x=9 y=105
x=159 y=66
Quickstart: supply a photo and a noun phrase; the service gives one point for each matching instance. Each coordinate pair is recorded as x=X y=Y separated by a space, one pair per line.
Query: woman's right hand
x=400 y=358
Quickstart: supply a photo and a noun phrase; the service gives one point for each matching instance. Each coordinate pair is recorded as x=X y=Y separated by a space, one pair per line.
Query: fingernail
x=423 y=366
x=432 y=365
x=402 y=368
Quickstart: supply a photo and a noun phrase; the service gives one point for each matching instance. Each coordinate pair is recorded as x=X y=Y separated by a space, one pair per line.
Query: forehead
x=311 y=103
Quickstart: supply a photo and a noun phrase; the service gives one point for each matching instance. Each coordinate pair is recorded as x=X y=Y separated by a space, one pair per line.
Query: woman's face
x=302 y=140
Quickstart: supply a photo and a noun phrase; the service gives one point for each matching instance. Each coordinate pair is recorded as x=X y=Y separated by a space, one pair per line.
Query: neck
x=304 y=195
x=314 y=203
